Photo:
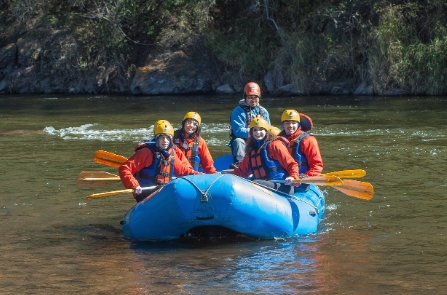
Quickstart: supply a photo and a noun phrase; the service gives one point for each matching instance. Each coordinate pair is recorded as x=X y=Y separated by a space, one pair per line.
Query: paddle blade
x=108 y=158
x=355 y=173
x=323 y=180
x=358 y=189
x=107 y=194
x=96 y=178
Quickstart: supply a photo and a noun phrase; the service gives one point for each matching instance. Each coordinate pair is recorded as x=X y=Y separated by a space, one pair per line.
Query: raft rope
x=204 y=197
x=153 y=194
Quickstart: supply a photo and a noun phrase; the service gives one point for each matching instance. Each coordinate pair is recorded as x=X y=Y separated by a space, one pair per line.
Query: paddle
x=112 y=193
x=355 y=173
x=108 y=158
x=322 y=180
x=96 y=178
x=358 y=189
x=350 y=187
x=353 y=188
x=114 y=160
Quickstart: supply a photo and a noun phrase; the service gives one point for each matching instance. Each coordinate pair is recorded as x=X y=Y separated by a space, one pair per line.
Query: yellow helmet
x=274 y=130
x=290 y=115
x=160 y=122
x=259 y=122
x=163 y=127
x=193 y=115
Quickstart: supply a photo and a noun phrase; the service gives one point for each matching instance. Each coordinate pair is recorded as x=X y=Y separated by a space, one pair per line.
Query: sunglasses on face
x=191 y=123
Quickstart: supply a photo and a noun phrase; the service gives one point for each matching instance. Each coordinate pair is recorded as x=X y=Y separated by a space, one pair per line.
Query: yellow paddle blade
x=354 y=173
x=96 y=178
x=323 y=180
x=111 y=193
x=358 y=189
x=108 y=158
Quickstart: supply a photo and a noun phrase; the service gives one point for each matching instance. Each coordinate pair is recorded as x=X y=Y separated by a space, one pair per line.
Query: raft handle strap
x=204 y=197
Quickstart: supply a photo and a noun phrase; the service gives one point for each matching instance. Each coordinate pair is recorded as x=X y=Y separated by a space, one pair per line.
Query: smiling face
x=190 y=126
x=258 y=133
x=252 y=100
x=290 y=126
x=163 y=141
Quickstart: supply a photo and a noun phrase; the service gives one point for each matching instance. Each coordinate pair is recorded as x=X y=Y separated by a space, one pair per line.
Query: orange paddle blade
x=358 y=189
x=108 y=158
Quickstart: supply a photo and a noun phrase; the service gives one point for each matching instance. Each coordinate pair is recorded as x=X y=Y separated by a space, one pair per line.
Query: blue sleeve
x=237 y=121
x=267 y=117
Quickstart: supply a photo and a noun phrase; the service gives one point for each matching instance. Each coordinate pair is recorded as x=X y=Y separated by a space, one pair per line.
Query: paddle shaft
x=96 y=178
x=354 y=173
x=112 y=193
x=101 y=179
x=321 y=180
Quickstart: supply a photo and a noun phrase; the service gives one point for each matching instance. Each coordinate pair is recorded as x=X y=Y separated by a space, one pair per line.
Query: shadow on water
x=197 y=238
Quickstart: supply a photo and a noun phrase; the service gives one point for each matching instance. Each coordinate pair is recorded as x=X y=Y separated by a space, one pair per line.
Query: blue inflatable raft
x=227 y=201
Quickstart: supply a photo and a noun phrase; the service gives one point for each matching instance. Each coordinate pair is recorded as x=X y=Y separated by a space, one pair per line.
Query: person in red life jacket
x=189 y=141
x=267 y=158
x=240 y=119
x=303 y=146
x=154 y=163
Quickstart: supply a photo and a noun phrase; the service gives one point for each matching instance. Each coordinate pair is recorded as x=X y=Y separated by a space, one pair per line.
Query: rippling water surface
x=55 y=241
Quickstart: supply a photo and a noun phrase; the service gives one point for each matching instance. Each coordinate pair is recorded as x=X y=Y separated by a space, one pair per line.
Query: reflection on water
x=53 y=240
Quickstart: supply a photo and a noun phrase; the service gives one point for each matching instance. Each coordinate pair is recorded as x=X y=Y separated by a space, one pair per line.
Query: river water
x=53 y=240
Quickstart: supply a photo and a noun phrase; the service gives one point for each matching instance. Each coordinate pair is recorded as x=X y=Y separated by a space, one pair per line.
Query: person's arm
x=278 y=151
x=141 y=159
x=206 y=160
x=243 y=169
x=182 y=166
x=266 y=114
x=238 y=124
x=309 y=147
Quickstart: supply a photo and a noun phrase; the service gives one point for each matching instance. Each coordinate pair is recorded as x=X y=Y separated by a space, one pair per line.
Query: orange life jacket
x=190 y=150
x=160 y=171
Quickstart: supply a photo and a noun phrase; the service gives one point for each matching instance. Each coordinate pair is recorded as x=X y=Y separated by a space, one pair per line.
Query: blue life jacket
x=160 y=171
x=298 y=155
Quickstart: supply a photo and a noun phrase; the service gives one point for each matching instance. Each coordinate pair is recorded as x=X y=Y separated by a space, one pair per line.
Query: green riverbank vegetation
x=383 y=43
